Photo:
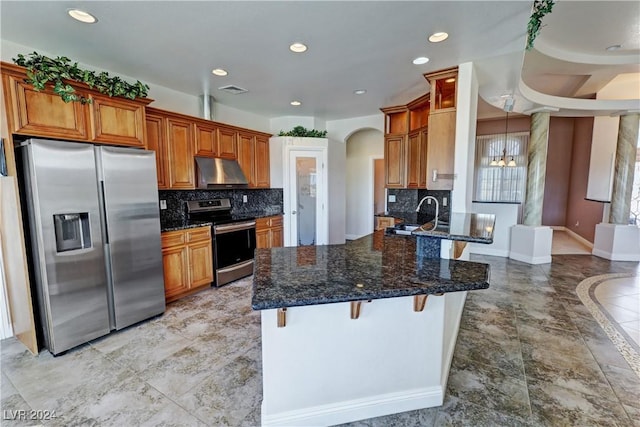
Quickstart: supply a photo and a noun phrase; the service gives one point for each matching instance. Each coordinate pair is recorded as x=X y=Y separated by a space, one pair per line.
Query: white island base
x=324 y=368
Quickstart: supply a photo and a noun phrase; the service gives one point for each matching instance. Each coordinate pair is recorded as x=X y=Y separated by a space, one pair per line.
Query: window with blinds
x=496 y=183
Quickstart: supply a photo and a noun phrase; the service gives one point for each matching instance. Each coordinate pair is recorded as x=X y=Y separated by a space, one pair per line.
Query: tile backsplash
x=258 y=200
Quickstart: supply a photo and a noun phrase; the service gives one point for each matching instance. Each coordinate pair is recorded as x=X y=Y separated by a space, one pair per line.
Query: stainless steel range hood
x=219 y=173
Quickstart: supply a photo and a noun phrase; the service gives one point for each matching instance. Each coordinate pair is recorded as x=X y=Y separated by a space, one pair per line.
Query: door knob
x=294 y=212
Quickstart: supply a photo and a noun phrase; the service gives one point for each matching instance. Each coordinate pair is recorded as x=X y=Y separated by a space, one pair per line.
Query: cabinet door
x=156 y=141
x=262 y=165
x=440 y=150
x=227 y=145
x=206 y=140
x=422 y=176
x=116 y=121
x=175 y=262
x=277 y=237
x=263 y=238
x=413 y=160
x=44 y=113
x=394 y=161
x=246 y=155
x=180 y=148
x=200 y=263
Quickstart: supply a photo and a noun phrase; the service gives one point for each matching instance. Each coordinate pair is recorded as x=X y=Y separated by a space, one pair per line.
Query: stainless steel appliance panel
x=72 y=284
x=133 y=233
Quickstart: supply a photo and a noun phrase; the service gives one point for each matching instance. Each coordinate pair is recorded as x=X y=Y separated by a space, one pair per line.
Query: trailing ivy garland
x=42 y=70
x=540 y=9
x=302 y=131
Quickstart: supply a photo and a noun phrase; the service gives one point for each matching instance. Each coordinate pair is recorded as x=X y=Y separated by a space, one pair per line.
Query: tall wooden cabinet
x=420 y=137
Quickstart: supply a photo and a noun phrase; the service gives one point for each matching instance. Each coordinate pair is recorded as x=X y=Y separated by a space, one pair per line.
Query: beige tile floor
x=620 y=298
x=564 y=244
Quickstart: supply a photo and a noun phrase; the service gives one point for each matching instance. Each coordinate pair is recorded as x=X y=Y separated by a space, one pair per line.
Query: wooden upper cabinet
x=227 y=143
x=157 y=141
x=106 y=120
x=394 y=161
x=246 y=150
x=206 y=140
x=262 y=164
x=424 y=153
x=42 y=113
x=116 y=121
x=441 y=150
x=180 y=149
x=413 y=160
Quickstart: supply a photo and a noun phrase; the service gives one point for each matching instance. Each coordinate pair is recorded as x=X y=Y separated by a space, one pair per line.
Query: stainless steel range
x=234 y=238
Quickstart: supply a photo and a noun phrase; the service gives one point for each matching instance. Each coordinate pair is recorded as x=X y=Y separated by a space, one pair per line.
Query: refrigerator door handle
x=103 y=214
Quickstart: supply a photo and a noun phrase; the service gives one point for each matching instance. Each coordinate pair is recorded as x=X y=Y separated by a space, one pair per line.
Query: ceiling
x=352 y=45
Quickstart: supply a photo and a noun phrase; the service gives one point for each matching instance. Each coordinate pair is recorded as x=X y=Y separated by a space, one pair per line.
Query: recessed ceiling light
x=219 y=72
x=298 y=47
x=296 y=103
x=451 y=80
x=360 y=91
x=82 y=16
x=438 y=37
x=614 y=47
x=421 y=60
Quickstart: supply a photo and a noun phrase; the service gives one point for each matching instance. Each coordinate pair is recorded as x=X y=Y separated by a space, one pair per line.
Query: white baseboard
x=504 y=253
x=354 y=236
x=530 y=259
x=617 y=256
x=358 y=409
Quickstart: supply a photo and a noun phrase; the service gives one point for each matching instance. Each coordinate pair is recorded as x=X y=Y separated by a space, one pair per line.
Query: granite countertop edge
x=183 y=225
x=365 y=296
x=436 y=234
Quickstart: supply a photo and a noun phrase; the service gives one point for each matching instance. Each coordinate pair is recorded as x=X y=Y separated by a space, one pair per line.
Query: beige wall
x=362 y=147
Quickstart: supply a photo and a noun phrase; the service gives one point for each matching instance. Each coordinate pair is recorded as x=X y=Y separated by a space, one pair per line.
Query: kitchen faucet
x=435 y=223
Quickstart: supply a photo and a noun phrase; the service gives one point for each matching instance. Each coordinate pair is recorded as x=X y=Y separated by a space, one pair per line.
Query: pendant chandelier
x=503 y=160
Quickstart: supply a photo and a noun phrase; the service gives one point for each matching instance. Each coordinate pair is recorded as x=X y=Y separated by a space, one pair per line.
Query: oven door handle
x=222 y=229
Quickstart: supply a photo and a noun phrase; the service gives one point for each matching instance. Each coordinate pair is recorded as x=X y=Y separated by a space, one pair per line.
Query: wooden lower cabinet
x=269 y=232
x=187 y=259
x=383 y=222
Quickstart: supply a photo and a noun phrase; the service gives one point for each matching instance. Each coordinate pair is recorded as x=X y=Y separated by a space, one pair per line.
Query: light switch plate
x=392 y=198
x=163 y=204
x=444 y=201
x=244 y=198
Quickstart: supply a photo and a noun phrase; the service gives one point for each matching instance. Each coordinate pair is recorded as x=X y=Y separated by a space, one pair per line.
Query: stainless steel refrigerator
x=94 y=232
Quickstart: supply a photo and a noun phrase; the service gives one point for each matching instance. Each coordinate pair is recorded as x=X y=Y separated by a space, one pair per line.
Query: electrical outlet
x=244 y=198
x=577 y=223
x=392 y=198
x=428 y=201
x=444 y=201
x=163 y=204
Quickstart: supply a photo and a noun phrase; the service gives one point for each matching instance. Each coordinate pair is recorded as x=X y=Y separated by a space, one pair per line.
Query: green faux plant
x=43 y=71
x=304 y=132
x=540 y=9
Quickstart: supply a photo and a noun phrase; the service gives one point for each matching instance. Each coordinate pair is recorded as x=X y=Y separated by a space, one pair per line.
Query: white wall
x=605 y=137
x=362 y=147
x=225 y=114
x=340 y=130
x=506 y=217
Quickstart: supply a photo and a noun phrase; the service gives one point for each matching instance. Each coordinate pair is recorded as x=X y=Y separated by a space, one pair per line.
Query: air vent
x=236 y=90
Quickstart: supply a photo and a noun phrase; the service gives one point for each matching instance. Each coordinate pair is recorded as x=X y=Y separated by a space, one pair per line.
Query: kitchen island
x=358 y=330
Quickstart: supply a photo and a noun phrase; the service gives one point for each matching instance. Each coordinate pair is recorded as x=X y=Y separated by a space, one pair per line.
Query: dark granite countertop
x=182 y=225
x=467 y=227
x=385 y=266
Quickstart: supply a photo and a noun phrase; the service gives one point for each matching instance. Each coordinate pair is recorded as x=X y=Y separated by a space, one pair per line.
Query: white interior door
x=306 y=210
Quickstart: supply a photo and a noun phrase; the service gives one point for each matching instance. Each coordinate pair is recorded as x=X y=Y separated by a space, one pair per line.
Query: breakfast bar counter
x=358 y=330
